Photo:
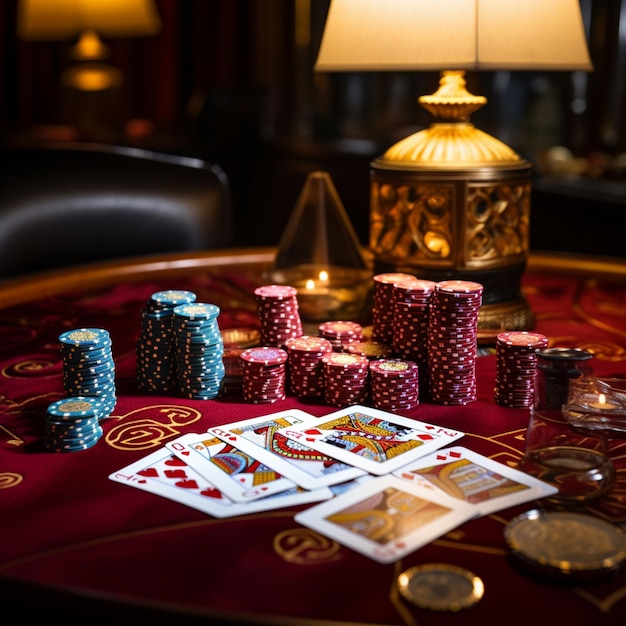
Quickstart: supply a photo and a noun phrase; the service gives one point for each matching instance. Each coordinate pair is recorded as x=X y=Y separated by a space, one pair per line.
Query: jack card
x=164 y=474
x=386 y=518
x=260 y=437
x=474 y=478
x=237 y=474
x=376 y=441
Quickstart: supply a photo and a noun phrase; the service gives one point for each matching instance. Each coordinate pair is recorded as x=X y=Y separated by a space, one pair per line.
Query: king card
x=237 y=474
x=376 y=441
x=164 y=474
x=386 y=518
x=261 y=437
x=476 y=479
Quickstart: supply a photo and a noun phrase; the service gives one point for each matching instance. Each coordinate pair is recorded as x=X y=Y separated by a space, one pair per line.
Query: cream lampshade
x=452 y=201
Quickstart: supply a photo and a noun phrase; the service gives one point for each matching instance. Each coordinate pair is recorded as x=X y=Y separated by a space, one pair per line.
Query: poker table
x=77 y=545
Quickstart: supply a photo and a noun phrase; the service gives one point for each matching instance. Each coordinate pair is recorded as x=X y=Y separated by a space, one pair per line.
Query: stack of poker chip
x=88 y=366
x=305 y=367
x=452 y=341
x=410 y=325
x=346 y=379
x=279 y=314
x=156 y=348
x=72 y=424
x=383 y=306
x=340 y=333
x=199 y=350
x=516 y=363
x=394 y=384
x=264 y=374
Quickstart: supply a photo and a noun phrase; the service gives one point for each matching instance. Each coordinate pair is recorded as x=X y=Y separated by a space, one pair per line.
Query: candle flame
x=602 y=399
x=310 y=284
x=324 y=276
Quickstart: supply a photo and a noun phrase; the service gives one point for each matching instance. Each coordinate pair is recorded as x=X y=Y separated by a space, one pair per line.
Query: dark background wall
x=232 y=81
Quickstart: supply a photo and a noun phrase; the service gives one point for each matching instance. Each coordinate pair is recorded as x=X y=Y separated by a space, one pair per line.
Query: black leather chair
x=65 y=204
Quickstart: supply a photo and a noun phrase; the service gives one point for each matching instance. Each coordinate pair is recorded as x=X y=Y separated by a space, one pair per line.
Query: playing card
x=164 y=474
x=260 y=437
x=474 y=478
x=386 y=518
x=376 y=441
x=237 y=474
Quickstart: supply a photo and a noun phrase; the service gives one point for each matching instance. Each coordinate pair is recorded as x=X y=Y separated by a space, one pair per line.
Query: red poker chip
x=266 y=355
x=276 y=292
x=522 y=338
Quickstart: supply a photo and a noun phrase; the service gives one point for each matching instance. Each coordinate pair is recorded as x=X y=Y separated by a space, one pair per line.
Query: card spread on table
x=386 y=518
x=376 y=441
x=308 y=468
x=164 y=474
x=476 y=479
x=237 y=474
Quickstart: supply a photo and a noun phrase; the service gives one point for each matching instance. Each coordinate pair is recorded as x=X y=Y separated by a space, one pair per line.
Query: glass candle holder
x=597 y=404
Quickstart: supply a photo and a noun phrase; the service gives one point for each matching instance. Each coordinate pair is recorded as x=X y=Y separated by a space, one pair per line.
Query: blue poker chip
x=197 y=311
x=172 y=297
x=83 y=337
x=74 y=407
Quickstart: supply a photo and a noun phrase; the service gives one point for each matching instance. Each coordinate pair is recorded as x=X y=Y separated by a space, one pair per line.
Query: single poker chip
x=234 y=338
x=84 y=337
x=172 y=297
x=440 y=587
x=196 y=311
x=275 y=292
x=565 y=545
x=75 y=407
x=265 y=355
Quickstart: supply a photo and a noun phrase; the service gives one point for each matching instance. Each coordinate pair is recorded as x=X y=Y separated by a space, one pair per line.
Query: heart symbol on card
x=186 y=453
x=176 y=473
x=456 y=455
x=210 y=492
x=143 y=481
x=313 y=431
x=232 y=438
x=174 y=460
x=188 y=483
x=150 y=472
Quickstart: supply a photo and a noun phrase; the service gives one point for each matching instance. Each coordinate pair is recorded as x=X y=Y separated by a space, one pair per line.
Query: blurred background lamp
x=451 y=201
x=91 y=86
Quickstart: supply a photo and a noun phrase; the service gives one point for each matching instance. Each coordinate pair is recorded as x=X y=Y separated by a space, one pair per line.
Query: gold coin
x=566 y=544
x=440 y=587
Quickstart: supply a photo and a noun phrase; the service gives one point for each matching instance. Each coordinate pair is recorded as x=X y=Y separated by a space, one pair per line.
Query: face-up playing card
x=386 y=518
x=164 y=474
x=237 y=474
x=376 y=441
x=474 y=478
x=261 y=438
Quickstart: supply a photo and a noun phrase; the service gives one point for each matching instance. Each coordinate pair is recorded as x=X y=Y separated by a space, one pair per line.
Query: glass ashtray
x=597 y=404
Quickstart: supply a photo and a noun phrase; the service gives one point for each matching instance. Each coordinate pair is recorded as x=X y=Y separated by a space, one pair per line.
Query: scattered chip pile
x=279 y=314
x=516 y=361
x=306 y=369
x=156 y=350
x=264 y=375
x=452 y=341
x=199 y=350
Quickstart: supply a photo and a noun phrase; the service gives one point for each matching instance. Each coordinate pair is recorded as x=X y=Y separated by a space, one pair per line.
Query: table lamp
x=451 y=201
x=86 y=21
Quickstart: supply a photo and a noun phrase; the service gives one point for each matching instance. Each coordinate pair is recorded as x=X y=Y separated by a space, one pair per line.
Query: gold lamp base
x=453 y=202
